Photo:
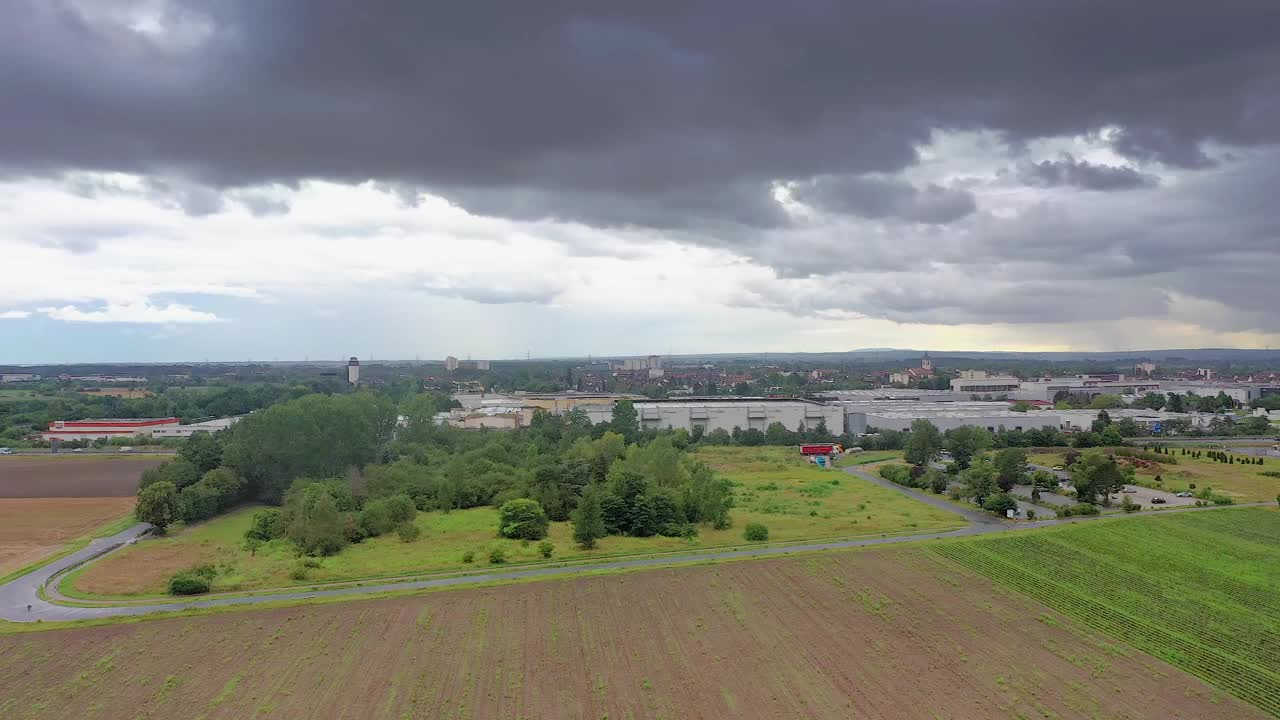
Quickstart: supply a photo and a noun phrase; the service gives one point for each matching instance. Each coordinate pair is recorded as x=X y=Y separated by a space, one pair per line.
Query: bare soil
x=898 y=634
x=31 y=528
x=51 y=476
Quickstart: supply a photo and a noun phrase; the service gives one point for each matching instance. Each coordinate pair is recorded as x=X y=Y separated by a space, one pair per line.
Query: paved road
x=16 y=595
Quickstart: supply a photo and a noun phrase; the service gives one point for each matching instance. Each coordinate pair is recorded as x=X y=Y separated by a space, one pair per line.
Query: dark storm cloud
x=1067 y=171
x=625 y=107
x=875 y=199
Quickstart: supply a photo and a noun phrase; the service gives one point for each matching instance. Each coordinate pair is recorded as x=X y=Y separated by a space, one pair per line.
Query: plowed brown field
x=898 y=634
x=31 y=528
x=47 y=477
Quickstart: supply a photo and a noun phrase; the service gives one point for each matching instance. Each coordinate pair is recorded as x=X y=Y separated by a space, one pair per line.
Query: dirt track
x=888 y=634
x=37 y=477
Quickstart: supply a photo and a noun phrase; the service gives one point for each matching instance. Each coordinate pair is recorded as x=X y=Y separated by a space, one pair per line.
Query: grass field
x=1199 y=590
x=885 y=634
x=1244 y=483
x=796 y=500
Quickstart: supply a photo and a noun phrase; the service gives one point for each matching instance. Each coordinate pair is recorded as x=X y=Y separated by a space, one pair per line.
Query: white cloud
x=14 y=315
x=137 y=312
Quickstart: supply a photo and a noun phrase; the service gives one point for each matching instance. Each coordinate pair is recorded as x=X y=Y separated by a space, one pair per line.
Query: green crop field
x=796 y=500
x=1198 y=590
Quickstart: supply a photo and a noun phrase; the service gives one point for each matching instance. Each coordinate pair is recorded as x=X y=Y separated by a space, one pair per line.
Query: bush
x=899 y=474
x=266 y=525
x=299 y=572
x=408 y=532
x=546 y=548
x=188 y=583
x=1078 y=509
x=469 y=556
x=1129 y=506
x=1000 y=503
x=755 y=532
x=523 y=519
x=497 y=556
x=938 y=483
x=1031 y=514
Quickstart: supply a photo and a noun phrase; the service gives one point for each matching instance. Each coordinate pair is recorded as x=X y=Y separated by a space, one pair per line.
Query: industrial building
x=18 y=377
x=108 y=428
x=105 y=428
x=714 y=413
x=184 y=431
x=978 y=381
x=1045 y=389
x=1242 y=393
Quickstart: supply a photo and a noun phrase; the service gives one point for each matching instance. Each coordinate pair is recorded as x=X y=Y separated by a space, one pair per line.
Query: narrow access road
x=17 y=595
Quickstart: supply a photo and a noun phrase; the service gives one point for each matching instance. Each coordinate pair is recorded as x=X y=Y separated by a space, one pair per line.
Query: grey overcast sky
x=229 y=179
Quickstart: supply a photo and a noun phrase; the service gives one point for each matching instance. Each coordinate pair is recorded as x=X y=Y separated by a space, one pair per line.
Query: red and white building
x=107 y=428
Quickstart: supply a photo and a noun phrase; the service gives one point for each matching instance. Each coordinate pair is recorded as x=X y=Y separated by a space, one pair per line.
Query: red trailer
x=822 y=449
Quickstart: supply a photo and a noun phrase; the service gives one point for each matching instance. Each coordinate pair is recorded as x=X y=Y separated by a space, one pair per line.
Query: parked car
x=126 y=449
x=1184 y=493
x=1130 y=490
x=1158 y=501
x=5 y=451
x=1058 y=468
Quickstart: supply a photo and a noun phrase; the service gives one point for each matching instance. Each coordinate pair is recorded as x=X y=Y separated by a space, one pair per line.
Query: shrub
x=408 y=532
x=1129 y=506
x=469 y=556
x=299 y=572
x=546 y=548
x=755 y=532
x=938 y=483
x=523 y=519
x=1078 y=509
x=266 y=525
x=497 y=556
x=188 y=583
x=1031 y=514
x=1000 y=503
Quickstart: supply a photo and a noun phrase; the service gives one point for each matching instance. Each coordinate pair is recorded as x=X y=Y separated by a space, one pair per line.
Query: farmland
x=33 y=528
x=1244 y=483
x=70 y=476
x=884 y=634
x=797 y=501
x=1197 y=590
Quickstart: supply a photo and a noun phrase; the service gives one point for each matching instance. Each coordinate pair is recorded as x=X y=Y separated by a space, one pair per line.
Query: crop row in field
x=897 y=634
x=1197 y=590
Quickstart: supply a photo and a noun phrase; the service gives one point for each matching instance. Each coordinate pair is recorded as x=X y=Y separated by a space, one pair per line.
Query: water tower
x=353 y=370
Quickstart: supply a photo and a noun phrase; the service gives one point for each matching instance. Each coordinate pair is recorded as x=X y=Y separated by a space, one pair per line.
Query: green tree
x=419 y=413
x=980 y=480
x=588 y=518
x=1102 y=422
x=1012 y=467
x=314 y=523
x=1096 y=475
x=203 y=450
x=625 y=420
x=1000 y=503
x=1174 y=403
x=158 y=505
x=778 y=434
x=522 y=519
x=965 y=442
x=265 y=525
x=924 y=443
x=755 y=532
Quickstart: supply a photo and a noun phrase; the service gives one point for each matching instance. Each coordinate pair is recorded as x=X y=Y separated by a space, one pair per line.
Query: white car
x=1184 y=493
x=5 y=451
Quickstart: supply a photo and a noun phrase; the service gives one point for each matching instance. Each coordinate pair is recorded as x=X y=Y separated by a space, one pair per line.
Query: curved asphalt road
x=16 y=595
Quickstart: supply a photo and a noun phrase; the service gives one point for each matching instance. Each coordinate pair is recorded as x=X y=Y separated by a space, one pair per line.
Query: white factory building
x=714 y=413
x=978 y=381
